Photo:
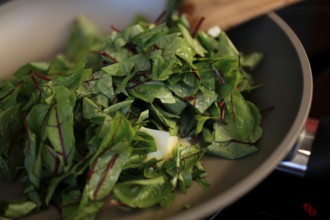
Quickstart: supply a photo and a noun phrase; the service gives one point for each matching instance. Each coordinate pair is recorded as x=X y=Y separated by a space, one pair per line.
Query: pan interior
x=286 y=79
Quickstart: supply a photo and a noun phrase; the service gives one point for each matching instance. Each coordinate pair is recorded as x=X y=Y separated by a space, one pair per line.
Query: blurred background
x=310 y=20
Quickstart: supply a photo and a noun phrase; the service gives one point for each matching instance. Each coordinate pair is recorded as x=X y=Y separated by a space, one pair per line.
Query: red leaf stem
x=35 y=82
x=218 y=75
x=222 y=106
x=190 y=98
x=197 y=26
x=42 y=76
x=137 y=84
x=189 y=156
x=113 y=27
x=109 y=167
x=92 y=79
x=60 y=133
x=160 y=18
x=105 y=54
x=92 y=170
x=57 y=162
x=19 y=84
x=232 y=106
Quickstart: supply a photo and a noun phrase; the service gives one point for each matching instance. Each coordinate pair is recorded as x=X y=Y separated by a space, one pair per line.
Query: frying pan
x=36 y=30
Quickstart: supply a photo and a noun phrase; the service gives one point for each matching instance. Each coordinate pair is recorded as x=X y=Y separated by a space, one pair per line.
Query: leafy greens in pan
x=77 y=131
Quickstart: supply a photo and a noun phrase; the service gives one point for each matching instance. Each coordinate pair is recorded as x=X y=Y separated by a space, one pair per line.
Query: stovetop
x=281 y=195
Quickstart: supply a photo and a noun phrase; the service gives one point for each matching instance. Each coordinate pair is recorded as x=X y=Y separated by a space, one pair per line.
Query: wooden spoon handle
x=229 y=13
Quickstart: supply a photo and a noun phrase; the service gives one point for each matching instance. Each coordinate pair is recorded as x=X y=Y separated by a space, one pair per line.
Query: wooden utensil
x=229 y=13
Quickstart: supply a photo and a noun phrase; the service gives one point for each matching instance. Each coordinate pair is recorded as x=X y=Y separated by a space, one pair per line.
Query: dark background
x=310 y=20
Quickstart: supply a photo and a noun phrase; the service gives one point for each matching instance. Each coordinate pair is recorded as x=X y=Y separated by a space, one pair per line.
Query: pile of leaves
x=70 y=128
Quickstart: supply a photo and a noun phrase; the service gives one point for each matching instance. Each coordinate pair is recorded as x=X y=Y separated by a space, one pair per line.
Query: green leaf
x=140 y=193
x=242 y=117
x=192 y=80
x=92 y=112
x=207 y=74
x=207 y=135
x=60 y=131
x=11 y=126
x=166 y=118
x=144 y=39
x=52 y=187
x=207 y=41
x=186 y=53
x=145 y=142
x=224 y=131
x=8 y=95
x=59 y=65
x=84 y=38
x=137 y=62
x=32 y=162
x=113 y=131
x=228 y=69
x=142 y=118
x=122 y=107
x=177 y=107
x=189 y=156
x=37 y=118
x=19 y=208
x=182 y=90
x=200 y=122
x=74 y=80
x=257 y=131
x=252 y=60
x=87 y=212
x=162 y=66
x=98 y=83
x=105 y=171
x=204 y=99
x=50 y=160
x=193 y=43
x=231 y=150
x=152 y=90
x=70 y=202
x=226 y=46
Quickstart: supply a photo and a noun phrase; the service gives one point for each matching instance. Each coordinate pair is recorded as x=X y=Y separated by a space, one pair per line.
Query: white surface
x=34 y=30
